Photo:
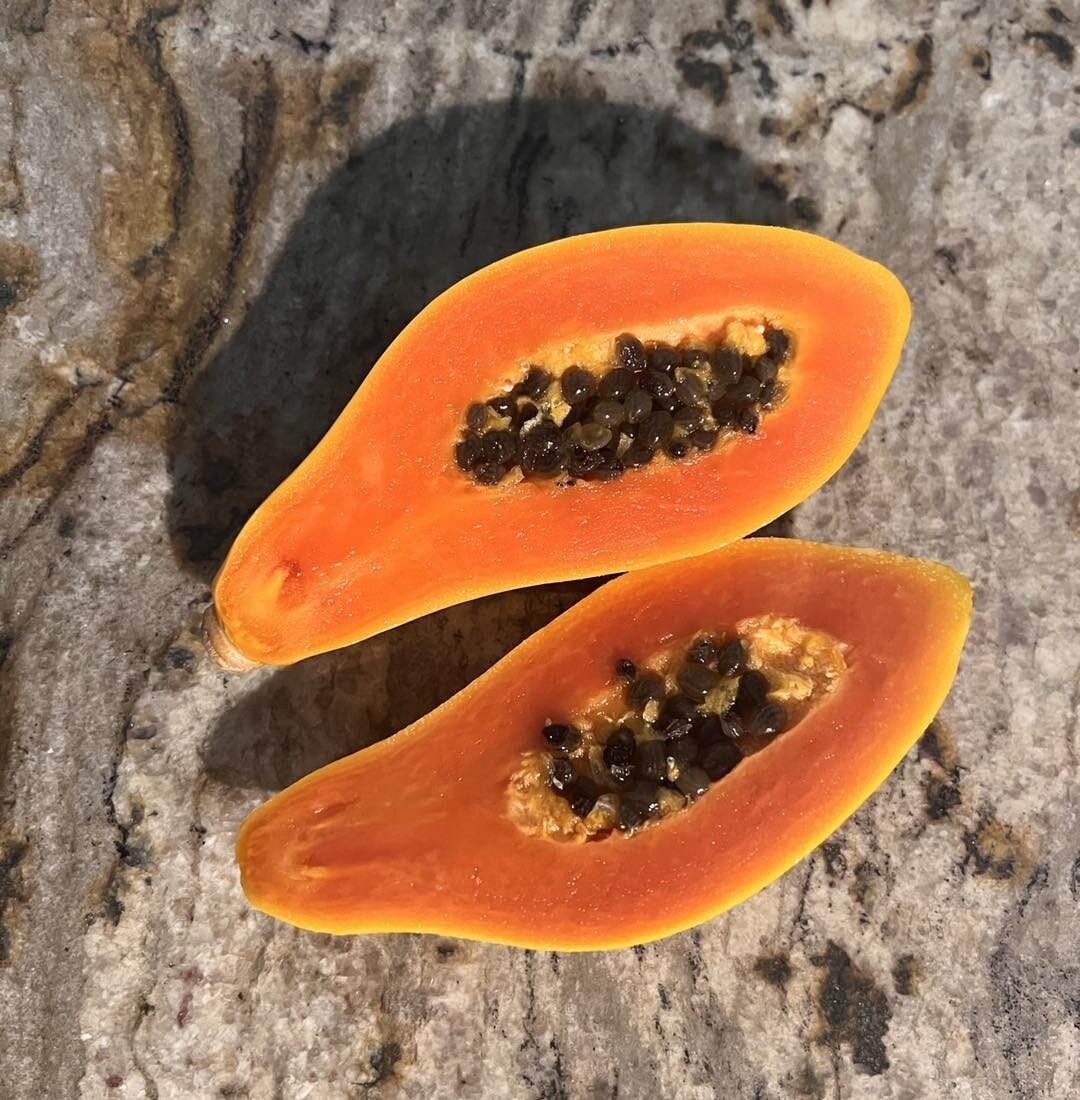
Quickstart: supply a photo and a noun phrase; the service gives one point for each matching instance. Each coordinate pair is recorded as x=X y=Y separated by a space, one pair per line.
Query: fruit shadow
x=319 y=710
x=404 y=217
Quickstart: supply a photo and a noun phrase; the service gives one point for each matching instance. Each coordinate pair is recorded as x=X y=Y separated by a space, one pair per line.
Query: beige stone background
x=213 y=215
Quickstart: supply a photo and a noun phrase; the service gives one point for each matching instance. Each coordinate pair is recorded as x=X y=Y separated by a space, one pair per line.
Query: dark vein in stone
x=1061 y=48
x=147 y=44
x=798 y=922
x=310 y=46
x=12 y=889
x=112 y=905
x=98 y=428
x=258 y=124
x=781 y=16
x=919 y=77
x=17 y=203
x=575 y=17
x=258 y=128
x=146 y=40
x=528 y=151
x=521 y=59
x=31 y=454
x=705 y=76
x=32 y=17
x=143 y=1009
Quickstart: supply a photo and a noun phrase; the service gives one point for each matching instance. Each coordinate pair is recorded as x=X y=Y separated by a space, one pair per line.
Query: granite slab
x=212 y=218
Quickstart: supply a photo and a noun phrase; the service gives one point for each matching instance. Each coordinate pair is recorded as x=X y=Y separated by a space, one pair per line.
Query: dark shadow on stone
x=314 y=712
x=419 y=207
x=783 y=527
x=408 y=215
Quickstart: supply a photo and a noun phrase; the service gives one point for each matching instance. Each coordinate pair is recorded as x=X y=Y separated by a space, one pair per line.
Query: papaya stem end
x=221 y=647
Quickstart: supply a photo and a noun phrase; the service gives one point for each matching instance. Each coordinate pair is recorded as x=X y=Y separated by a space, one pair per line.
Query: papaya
x=663 y=750
x=595 y=405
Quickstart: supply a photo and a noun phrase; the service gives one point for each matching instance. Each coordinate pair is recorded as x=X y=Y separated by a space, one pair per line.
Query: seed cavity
x=646 y=401
x=670 y=727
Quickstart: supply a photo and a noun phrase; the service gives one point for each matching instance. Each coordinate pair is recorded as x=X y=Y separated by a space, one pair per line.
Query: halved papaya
x=599 y=404
x=564 y=801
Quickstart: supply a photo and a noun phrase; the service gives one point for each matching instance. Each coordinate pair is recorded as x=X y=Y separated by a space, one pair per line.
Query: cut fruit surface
x=659 y=739
x=388 y=519
x=425 y=831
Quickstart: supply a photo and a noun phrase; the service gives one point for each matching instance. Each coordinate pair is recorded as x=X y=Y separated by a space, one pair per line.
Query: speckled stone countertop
x=213 y=215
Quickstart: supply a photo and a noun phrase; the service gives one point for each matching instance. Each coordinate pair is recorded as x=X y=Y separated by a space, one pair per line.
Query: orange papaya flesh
x=378 y=525
x=415 y=834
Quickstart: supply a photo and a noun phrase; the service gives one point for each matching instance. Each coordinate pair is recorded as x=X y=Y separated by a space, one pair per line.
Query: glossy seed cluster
x=652 y=400
x=674 y=743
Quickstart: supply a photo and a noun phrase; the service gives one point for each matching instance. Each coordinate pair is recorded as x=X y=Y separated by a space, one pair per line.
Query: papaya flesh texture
x=378 y=526
x=414 y=834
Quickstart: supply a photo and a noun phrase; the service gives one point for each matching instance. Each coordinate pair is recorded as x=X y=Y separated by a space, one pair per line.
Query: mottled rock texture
x=212 y=218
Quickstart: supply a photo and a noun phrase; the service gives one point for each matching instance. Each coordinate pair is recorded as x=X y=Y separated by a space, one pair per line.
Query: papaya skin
x=377 y=526
x=412 y=835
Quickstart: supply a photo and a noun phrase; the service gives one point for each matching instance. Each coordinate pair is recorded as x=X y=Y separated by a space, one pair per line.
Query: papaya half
x=600 y=404
x=663 y=750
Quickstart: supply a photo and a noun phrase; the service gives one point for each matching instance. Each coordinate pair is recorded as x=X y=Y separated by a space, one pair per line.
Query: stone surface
x=212 y=218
